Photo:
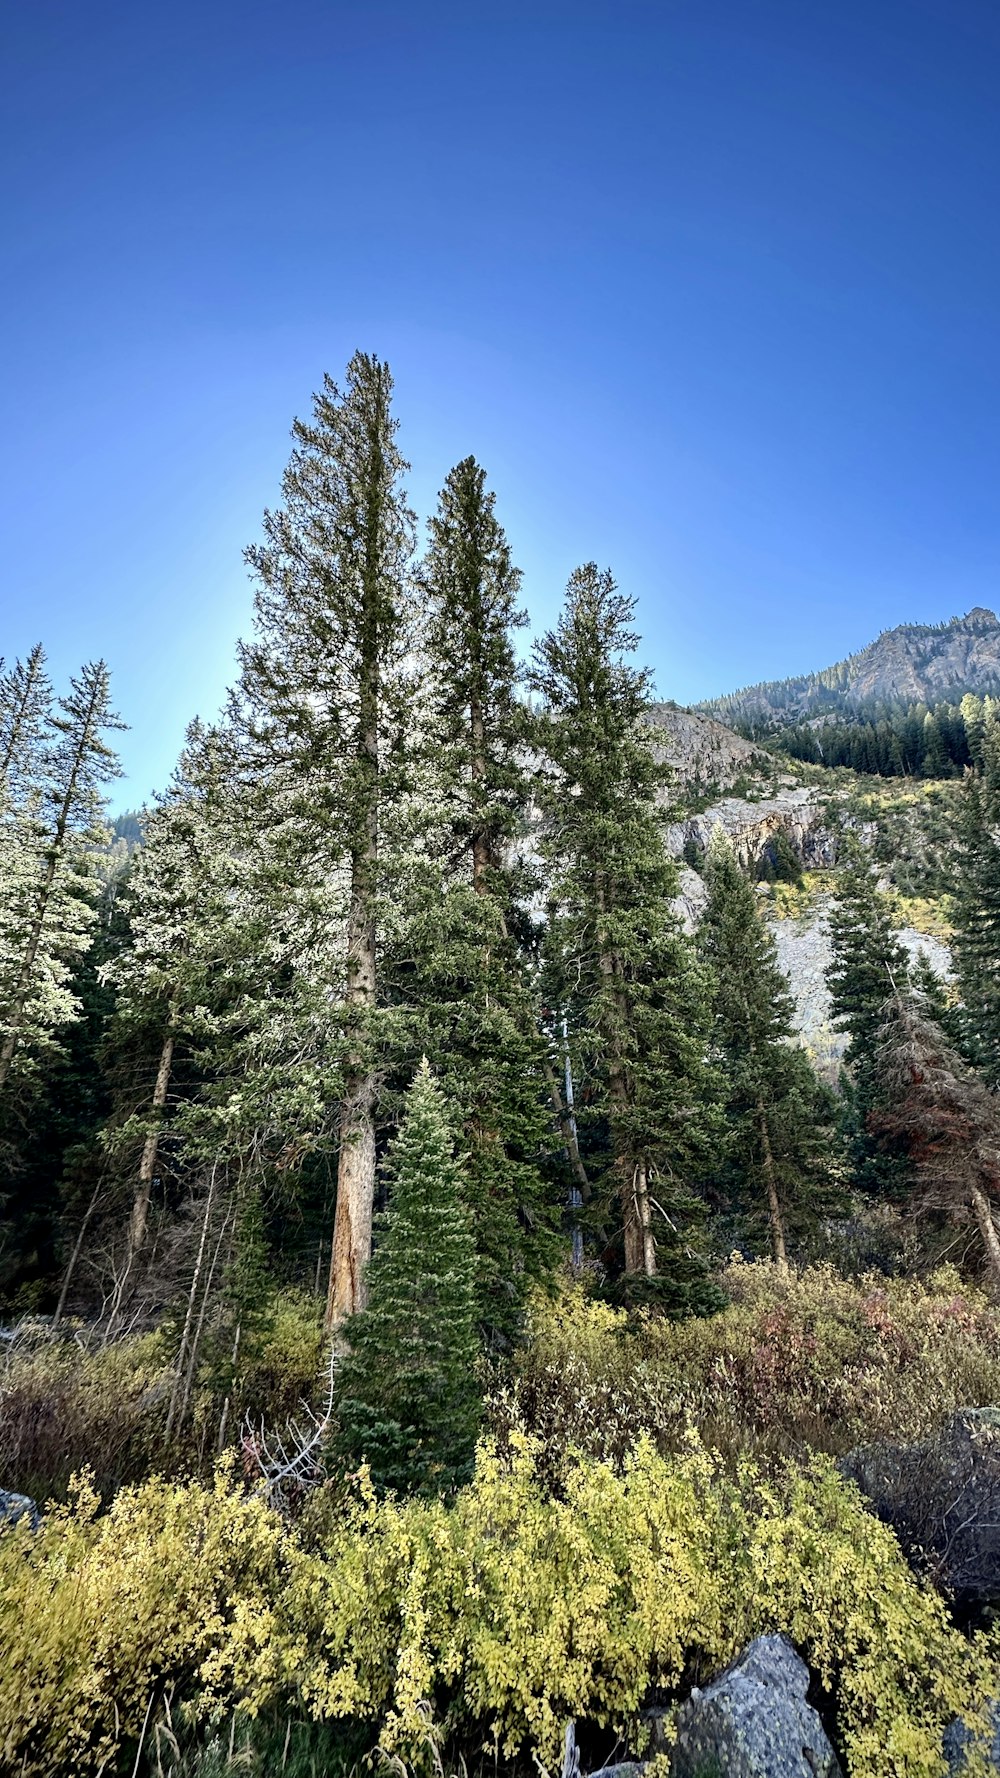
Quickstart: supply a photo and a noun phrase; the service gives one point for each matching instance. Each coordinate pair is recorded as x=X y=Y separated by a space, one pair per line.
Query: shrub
x=502 y=1614
x=804 y=1361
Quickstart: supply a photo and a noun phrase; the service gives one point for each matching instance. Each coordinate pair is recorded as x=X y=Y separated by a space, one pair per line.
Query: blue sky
x=710 y=286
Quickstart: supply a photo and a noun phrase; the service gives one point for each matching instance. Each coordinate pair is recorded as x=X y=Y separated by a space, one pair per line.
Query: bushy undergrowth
x=808 y=1361
x=497 y=1617
x=67 y=1404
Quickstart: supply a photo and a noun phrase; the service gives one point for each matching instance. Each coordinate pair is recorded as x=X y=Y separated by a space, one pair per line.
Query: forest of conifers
x=381 y=1028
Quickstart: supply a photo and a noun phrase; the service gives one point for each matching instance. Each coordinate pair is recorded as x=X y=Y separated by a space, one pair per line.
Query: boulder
x=18 y=1506
x=754 y=1721
x=942 y=1499
x=958 y=1741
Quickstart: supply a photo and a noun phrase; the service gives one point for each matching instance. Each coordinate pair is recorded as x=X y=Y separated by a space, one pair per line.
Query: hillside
x=912 y=664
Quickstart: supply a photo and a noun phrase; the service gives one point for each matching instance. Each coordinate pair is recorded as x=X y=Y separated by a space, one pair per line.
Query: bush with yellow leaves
x=498 y=1616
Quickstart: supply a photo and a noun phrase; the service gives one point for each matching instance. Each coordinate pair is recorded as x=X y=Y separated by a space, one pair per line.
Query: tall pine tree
x=468 y=977
x=781 y=1149
x=321 y=684
x=636 y=999
x=868 y=964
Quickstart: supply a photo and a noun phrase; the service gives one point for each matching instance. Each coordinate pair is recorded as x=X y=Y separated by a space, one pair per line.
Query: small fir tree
x=780 y=1162
x=407 y=1400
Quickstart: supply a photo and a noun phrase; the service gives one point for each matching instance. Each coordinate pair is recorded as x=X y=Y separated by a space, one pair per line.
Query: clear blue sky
x=711 y=287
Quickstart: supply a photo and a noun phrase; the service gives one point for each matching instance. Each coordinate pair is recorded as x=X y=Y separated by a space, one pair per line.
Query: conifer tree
x=868 y=964
x=637 y=1000
x=407 y=1400
x=48 y=901
x=25 y=709
x=321 y=687
x=778 y=1158
x=467 y=982
x=976 y=942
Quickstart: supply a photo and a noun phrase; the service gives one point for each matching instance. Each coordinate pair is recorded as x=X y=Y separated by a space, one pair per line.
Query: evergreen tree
x=868 y=964
x=637 y=1001
x=321 y=688
x=50 y=884
x=780 y=1118
x=976 y=941
x=467 y=982
x=407 y=1401
x=25 y=711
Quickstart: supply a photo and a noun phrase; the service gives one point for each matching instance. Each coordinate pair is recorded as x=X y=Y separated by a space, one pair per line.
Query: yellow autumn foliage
x=516 y=1607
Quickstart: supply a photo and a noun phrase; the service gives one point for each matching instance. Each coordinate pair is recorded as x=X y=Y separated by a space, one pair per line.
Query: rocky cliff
x=929 y=663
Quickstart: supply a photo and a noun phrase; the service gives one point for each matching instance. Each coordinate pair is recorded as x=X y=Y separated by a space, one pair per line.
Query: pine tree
x=321 y=688
x=780 y=1151
x=637 y=1001
x=467 y=982
x=868 y=964
x=407 y=1400
x=25 y=710
x=47 y=910
x=976 y=942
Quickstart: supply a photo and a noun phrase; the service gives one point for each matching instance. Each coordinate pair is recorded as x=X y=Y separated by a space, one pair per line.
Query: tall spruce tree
x=868 y=964
x=779 y=1160
x=50 y=889
x=407 y=1399
x=976 y=941
x=321 y=687
x=467 y=981
x=636 y=999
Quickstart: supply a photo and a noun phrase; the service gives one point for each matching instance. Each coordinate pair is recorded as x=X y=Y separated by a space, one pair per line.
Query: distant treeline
x=890 y=741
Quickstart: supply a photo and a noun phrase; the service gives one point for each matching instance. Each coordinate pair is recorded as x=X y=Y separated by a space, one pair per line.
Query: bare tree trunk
x=991 y=1241
x=352 y=1227
x=773 y=1201
x=75 y=1255
x=139 y=1221
x=192 y=1299
x=567 y=1126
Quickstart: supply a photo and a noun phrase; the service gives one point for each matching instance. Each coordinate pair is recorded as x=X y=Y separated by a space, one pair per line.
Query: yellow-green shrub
x=507 y=1612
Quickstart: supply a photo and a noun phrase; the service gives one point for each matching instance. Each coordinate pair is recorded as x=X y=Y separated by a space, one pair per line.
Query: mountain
x=913 y=664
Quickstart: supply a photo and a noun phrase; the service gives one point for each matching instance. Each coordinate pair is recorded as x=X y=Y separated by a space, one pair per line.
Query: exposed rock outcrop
x=958 y=1744
x=754 y=1721
x=942 y=1499
x=701 y=750
x=796 y=812
x=18 y=1506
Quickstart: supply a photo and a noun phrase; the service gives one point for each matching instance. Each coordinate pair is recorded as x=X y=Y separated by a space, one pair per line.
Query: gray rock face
x=18 y=1506
x=754 y=1721
x=750 y=827
x=942 y=1499
x=958 y=1743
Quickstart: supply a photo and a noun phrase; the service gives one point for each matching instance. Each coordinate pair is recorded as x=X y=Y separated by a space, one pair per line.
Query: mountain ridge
x=907 y=665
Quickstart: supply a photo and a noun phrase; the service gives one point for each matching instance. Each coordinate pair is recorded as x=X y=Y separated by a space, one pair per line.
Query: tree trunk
x=75 y=1255
x=633 y=1182
x=139 y=1221
x=640 y=1242
x=991 y=1241
x=773 y=1201
x=481 y=850
x=352 y=1226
